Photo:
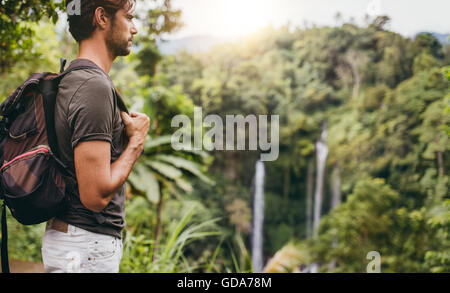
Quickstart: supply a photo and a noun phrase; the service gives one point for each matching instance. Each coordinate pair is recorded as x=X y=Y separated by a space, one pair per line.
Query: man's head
x=111 y=20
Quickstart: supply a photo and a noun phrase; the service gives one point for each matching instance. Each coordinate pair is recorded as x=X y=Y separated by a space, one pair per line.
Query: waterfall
x=258 y=219
x=322 y=153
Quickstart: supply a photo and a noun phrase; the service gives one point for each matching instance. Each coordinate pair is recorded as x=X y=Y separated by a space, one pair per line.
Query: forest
x=363 y=166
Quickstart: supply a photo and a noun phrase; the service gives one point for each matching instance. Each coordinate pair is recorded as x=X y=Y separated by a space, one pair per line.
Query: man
x=90 y=134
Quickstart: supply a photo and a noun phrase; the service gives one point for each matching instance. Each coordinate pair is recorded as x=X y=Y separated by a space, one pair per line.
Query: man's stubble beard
x=115 y=44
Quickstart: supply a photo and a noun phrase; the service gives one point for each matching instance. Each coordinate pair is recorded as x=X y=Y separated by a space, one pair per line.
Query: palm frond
x=152 y=143
x=187 y=165
x=143 y=180
x=164 y=169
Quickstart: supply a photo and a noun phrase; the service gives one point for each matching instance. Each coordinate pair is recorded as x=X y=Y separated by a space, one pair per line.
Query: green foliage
x=159 y=19
x=138 y=252
x=382 y=96
x=16 y=32
x=385 y=99
x=374 y=218
x=363 y=223
x=44 y=57
x=24 y=242
x=374 y=97
x=427 y=43
x=162 y=168
x=424 y=62
x=437 y=260
x=229 y=202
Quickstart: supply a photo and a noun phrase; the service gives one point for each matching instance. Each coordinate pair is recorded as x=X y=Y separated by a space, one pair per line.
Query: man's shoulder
x=83 y=76
x=84 y=83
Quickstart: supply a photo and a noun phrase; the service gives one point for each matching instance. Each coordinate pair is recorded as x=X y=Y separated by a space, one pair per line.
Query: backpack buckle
x=62 y=63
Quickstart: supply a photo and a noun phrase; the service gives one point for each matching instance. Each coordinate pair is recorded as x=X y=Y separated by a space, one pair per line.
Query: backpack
x=34 y=183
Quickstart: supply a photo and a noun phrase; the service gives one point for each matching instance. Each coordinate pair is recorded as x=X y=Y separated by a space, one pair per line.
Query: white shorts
x=80 y=251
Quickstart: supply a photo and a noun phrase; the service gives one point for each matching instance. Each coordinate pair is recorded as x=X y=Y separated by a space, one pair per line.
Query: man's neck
x=97 y=52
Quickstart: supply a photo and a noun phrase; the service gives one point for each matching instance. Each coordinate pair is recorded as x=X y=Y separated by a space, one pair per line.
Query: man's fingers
x=126 y=119
x=134 y=114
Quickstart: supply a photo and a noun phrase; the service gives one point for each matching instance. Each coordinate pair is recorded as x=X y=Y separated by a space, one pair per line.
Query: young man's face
x=120 y=33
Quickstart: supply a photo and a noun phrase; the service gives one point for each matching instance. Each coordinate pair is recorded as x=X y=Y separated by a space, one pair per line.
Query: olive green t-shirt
x=86 y=110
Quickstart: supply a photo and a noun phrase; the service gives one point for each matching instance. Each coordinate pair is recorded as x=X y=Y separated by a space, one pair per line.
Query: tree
x=160 y=173
x=374 y=219
x=380 y=22
x=159 y=19
x=427 y=43
x=16 y=34
x=44 y=57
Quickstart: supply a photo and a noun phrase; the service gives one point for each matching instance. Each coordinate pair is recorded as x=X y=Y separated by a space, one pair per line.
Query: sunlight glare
x=237 y=17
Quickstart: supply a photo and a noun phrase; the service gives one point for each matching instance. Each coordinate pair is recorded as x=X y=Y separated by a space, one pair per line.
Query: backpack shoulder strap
x=49 y=82
x=4 y=245
x=84 y=64
x=120 y=102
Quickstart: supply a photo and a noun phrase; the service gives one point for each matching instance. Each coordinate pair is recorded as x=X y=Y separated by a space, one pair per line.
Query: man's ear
x=101 y=18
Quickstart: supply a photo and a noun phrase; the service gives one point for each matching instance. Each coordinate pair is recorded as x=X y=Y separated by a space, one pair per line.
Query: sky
x=231 y=18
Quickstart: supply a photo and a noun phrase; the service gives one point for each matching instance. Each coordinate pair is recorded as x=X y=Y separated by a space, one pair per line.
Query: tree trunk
x=439 y=157
x=440 y=164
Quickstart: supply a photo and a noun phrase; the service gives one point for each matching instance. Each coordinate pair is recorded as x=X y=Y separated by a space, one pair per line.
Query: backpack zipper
x=29 y=153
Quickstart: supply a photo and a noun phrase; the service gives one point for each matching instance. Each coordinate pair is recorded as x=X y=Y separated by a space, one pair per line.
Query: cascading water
x=258 y=219
x=322 y=153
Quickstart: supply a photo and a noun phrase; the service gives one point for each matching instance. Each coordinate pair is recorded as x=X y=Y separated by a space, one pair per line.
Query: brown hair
x=82 y=26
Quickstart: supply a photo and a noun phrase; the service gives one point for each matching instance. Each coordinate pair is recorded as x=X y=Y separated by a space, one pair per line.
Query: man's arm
x=97 y=178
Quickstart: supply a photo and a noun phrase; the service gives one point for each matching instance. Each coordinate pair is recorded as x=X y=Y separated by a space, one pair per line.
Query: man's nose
x=134 y=30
